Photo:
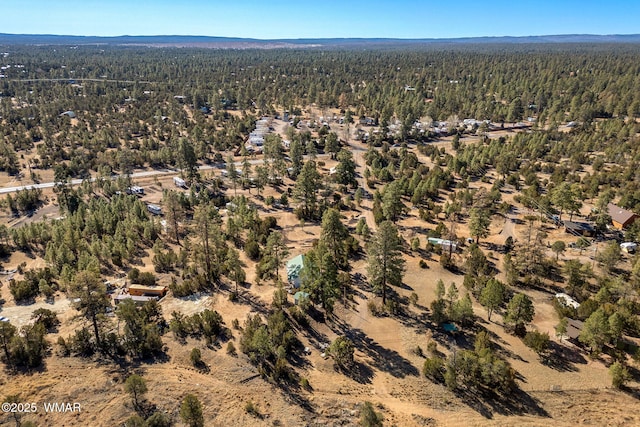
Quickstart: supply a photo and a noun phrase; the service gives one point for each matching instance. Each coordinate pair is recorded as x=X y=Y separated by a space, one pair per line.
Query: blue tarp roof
x=450 y=327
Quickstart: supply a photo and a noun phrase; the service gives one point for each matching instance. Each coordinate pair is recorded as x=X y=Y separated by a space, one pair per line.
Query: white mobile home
x=179 y=182
x=154 y=209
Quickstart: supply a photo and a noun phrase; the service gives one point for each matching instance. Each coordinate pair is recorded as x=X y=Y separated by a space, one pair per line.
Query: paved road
x=144 y=174
x=79 y=80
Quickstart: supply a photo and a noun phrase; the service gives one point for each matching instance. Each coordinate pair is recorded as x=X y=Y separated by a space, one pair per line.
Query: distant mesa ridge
x=207 y=41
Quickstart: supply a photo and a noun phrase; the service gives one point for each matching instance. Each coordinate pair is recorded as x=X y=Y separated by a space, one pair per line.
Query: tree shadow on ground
x=359 y=286
x=145 y=408
x=293 y=394
x=419 y=322
x=361 y=373
x=562 y=358
x=488 y=402
x=631 y=391
x=381 y=358
x=253 y=301
x=297 y=359
x=315 y=337
x=404 y=286
x=500 y=344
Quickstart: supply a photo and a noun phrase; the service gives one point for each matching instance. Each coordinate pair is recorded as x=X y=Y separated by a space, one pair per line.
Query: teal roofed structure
x=300 y=297
x=294 y=270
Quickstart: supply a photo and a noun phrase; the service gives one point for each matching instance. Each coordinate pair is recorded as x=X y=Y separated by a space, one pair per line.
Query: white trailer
x=179 y=182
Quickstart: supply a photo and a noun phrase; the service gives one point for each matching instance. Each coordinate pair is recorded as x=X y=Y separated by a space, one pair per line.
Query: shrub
x=81 y=343
x=619 y=374
x=231 y=349
x=432 y=347
x=415 y=244
x=423 y=264
x=183 y=289
x=374 y=309
x=392 y=307
x=46 y=318
x=22 y=290
x=446 y=262
x=304 y=383
x=369 y=417
x=433 y=369
x=158 y=419
x=537 y=341
x=251 y=409
x=417 y=350
x=298 y=315
x=196 y=357
x=342 y=350
x=252 y=249
x=63 y=347
x=413 y=298
x=146 y=279
x=133 y=275
x=134 y=421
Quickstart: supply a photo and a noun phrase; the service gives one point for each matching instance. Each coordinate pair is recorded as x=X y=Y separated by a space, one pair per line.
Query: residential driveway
x=20 y=315
x=508 y=229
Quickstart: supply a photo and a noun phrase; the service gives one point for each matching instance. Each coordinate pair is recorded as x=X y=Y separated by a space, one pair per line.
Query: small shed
x=294 y=269
x=299 y=297
x=142 y=290
x=574 y=327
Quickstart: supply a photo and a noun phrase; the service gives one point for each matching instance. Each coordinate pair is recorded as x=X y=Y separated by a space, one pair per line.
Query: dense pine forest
x=426 y=188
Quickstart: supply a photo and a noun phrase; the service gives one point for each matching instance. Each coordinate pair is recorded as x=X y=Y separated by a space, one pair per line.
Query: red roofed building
x=621 y=218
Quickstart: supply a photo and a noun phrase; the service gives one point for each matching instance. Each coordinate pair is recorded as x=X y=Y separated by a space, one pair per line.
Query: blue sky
x=323 y=18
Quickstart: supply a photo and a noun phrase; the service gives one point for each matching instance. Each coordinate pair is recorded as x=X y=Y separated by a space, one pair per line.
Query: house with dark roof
x=574 y=327
x=621 y=218
x=579 y=228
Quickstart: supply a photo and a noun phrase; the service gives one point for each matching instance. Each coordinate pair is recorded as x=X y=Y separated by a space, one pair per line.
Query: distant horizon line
x=326 y=38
